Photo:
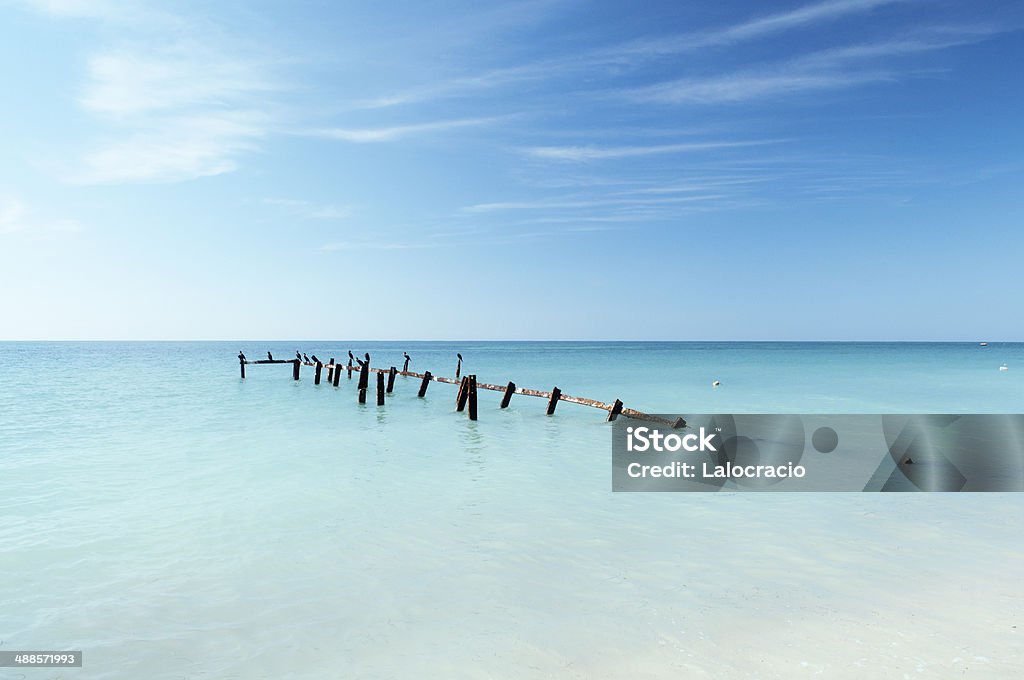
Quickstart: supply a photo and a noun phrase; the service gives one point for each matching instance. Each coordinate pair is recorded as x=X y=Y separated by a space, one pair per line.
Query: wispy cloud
x=491 y=79
x=586 y=153
x=108 y=10
x=588 y=203
x=12 y=215
x=15 y=216
x=712 y=183
x=647 y=48
x=833 y=68
x=390 y=134
x=173 y=149
x=634 y=52
x=176 y=112
x=131 y=82
x=807 y=15
x=925 y=40
x=310 y=210
x=367 y=245
x=745 y=86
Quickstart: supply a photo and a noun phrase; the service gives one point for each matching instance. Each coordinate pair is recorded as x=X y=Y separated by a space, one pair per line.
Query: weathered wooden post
x=350 y=365
x=316 y=375
x=458 y=367
x=460 y=400
x=391 y=379
x=295 y=369
x=241 y=365
x=364 y=378
x=472 y=397
x=380 y=389
x=616 y=410
x=364 y=374
x=423 y=385
x=405 y=366
x=337 y=375
x=509 y=391
x=556 y=394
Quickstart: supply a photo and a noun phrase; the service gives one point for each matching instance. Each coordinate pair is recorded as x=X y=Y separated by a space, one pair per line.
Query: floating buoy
x=715 y=383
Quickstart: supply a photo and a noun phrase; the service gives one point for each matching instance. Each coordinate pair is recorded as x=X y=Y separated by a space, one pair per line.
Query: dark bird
x=315 y=360
x=241 y=356
x=406 y=355
x=297 y=355
x=305 y=357
x=367 y=355
x=270 y=356
x=350 y=357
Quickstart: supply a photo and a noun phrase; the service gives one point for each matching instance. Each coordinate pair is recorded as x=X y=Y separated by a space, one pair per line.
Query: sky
x=540 y=169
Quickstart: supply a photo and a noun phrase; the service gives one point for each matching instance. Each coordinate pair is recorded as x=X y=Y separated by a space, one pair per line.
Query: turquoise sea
x=171 y=520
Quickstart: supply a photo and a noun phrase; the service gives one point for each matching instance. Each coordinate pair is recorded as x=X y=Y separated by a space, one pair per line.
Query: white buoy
x=715 y=383
x=1004 y=367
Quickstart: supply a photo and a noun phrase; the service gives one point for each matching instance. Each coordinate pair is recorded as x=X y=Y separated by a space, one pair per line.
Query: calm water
x=173 y=521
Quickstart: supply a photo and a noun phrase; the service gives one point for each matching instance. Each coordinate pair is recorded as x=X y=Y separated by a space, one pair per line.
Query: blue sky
x=544 y=169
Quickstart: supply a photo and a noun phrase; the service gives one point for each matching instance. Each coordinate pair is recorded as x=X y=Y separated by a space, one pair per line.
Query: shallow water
x=172 y=520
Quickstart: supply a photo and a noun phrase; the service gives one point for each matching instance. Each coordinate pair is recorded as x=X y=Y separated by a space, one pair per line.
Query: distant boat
x=983 y=344
x=1004 y=367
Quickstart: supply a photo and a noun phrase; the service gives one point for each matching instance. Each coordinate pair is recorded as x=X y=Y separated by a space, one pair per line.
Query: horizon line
x=496 y=340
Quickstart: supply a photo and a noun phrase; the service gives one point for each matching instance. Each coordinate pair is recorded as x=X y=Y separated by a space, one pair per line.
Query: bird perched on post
x=315 y=360
x=241 y=356
x=270 y=357
x=458 y=368
x=305 y=357
x=407 y=360
x=297 y=355
x=351 y=358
